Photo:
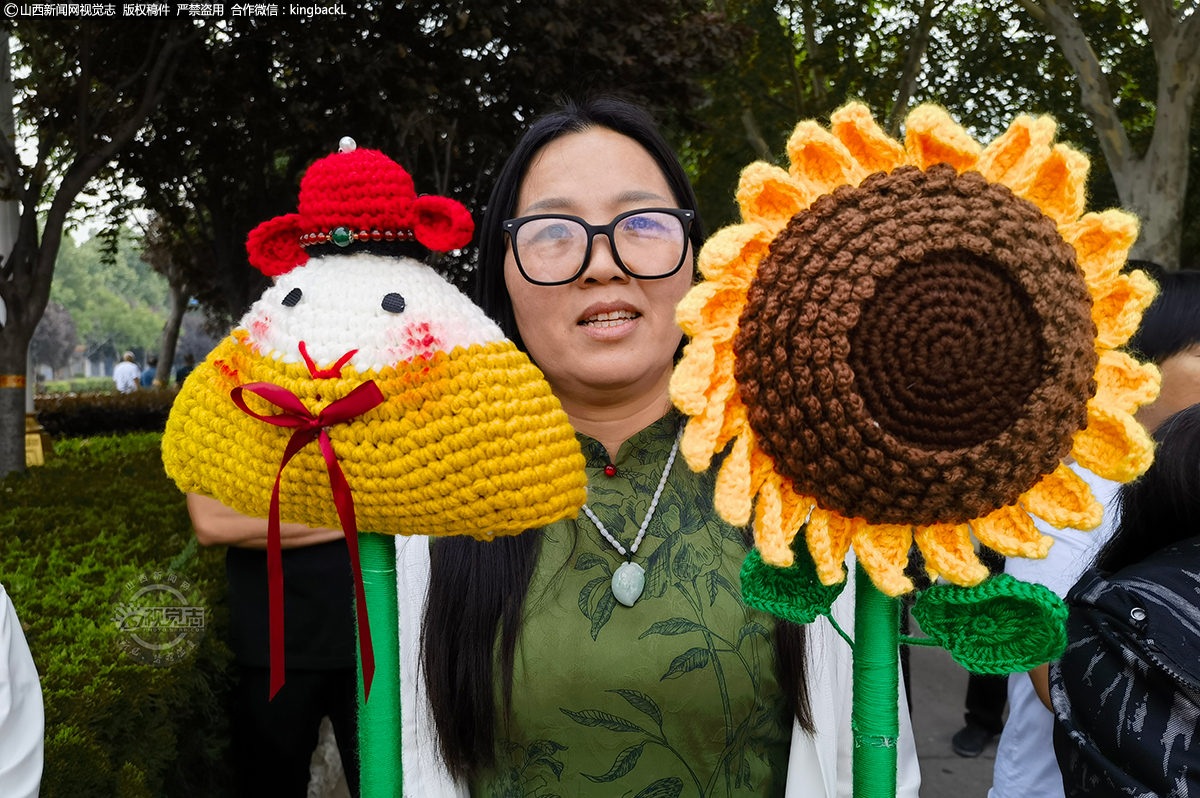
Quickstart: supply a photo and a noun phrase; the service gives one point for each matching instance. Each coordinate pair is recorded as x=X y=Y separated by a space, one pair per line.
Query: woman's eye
x=644 y=225
x=292 y=298
x=554 y=232
x=393 y=303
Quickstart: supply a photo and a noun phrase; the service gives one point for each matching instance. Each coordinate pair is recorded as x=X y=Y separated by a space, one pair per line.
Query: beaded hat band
x=344 y=237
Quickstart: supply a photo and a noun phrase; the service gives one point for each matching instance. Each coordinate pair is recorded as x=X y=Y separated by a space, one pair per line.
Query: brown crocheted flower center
x=947 y=351
x=917 y=350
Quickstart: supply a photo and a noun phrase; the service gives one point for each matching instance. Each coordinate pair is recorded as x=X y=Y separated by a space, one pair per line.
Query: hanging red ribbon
x=307 y=426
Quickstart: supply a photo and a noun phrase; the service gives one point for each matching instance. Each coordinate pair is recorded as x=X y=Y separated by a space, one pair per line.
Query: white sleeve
x=22 y=719
x=425 y=773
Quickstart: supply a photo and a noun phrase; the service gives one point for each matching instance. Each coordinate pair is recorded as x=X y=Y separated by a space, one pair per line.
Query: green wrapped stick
x=379 y=734
x=874 y=718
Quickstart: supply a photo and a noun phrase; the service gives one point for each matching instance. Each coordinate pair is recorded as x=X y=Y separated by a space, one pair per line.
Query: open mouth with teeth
x=613 y=319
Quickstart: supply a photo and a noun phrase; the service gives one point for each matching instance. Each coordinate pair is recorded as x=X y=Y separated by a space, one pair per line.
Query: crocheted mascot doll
x=364 y=391
x=903 y=342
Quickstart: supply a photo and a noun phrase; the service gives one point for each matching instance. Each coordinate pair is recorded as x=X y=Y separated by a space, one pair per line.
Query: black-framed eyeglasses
x=554 y=249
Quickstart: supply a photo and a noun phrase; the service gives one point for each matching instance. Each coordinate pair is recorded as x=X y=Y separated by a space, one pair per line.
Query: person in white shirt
x=22 y=717
x=126 y=374
x=1025 y=764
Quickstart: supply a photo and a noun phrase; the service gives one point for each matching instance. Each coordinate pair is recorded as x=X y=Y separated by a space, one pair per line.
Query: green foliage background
x=986 y=62
x=117 y=298
x=102 y=511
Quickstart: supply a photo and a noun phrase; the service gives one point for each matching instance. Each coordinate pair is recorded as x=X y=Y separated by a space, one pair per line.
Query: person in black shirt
x=1126 y=693
x=273 y=740
x=189 y=365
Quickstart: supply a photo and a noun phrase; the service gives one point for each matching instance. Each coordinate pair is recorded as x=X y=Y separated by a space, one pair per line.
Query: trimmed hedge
x=84 y=415
x=71 y=534
x=79 y=385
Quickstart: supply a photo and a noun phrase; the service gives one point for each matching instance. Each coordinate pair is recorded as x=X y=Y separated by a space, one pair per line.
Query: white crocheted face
x=392 y=310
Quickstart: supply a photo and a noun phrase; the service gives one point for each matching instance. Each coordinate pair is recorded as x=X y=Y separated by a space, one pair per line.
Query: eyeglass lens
x=649 y=244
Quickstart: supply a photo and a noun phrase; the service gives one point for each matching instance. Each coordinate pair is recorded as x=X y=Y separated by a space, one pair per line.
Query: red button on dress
x=610 y=470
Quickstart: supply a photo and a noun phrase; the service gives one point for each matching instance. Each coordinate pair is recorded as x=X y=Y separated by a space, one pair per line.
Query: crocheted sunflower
x=904 y=341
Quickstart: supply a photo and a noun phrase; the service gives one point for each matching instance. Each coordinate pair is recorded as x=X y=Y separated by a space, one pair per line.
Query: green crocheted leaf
x=1002 y=625
x=794 y=593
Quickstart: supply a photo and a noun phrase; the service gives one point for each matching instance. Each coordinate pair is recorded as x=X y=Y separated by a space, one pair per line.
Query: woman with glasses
x=611 y=655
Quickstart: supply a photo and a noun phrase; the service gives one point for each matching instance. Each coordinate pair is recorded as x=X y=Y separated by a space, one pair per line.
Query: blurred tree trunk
x=912 y=66
x=170 y=335
x=82 y=121
x=12 y=389
x=1154 y=184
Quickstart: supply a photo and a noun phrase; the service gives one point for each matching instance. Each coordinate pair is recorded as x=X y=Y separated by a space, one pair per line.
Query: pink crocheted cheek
x=261 y=329
x=417 y=339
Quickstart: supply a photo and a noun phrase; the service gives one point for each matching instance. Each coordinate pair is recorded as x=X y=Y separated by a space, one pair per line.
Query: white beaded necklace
x=629 y=580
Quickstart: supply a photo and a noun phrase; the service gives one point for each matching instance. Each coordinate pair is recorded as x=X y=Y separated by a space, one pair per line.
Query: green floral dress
x=675 y=696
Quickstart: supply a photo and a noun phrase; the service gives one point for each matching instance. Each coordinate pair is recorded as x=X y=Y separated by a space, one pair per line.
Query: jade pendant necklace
x=629 y=580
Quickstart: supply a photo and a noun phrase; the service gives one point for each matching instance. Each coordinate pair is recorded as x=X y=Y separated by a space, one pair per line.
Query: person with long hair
x=612 y=654
x=1126 y=693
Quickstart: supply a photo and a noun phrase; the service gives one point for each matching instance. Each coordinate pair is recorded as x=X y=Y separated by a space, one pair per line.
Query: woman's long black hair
x=1162 y=506
x=478 y=588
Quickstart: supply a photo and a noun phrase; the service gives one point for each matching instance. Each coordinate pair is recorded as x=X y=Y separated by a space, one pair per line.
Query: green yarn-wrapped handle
x=874 y=717
x=381 y=773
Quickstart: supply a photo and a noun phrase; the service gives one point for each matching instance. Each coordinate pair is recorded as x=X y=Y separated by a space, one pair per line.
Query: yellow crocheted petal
x=1011 y=532
x=689 y=313
x=1102 y=242
x=734 y=495
x=820 y=159
x=1114 y=445
x=1059 y=187
x=770 y=196
x=719 y=412
x=771 y=536
x=692 y=376
x=874 y=150
x=732 y=254
x=796 y=507
x=949 y=553
x=1013 y=158
x=1123 y=383
x=1119 y=312
x=699 y=440
x=1063 y=500
x=932 y=137
x=882 y=549
x=720 y=316
x=828 y=535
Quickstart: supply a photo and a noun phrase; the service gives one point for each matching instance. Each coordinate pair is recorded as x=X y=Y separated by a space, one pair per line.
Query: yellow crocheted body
x=467 y=443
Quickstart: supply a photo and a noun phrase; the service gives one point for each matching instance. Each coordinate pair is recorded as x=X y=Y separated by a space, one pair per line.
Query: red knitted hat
x=357 y=196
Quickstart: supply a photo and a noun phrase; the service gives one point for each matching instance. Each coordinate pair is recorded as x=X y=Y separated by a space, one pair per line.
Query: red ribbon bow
x=307 y=426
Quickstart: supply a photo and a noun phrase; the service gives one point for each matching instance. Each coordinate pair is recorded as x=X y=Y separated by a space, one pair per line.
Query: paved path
x=939 y=687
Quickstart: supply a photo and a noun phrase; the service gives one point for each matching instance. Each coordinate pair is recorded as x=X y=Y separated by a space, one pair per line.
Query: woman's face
x=1180 y=387
x=606 y=335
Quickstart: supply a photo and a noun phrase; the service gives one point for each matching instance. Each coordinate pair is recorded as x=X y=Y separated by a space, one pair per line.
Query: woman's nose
x=602 y=262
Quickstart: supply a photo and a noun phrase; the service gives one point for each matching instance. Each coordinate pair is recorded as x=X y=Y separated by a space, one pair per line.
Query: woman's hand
x=217 y=525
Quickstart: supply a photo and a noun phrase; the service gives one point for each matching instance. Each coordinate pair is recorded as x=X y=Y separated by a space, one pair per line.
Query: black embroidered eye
x=393 y=303
x=292 y=298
